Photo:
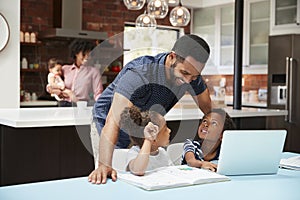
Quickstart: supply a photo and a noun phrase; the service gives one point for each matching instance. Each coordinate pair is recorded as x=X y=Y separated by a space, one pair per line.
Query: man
x=155 y=83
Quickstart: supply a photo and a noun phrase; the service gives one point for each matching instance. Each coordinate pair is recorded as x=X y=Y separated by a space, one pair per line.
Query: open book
x=172 y=176
x=291 y=163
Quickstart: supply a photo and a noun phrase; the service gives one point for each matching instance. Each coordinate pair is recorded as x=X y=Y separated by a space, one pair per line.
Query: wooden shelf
x=110 y=73
x=34 y=70
x=31 y=44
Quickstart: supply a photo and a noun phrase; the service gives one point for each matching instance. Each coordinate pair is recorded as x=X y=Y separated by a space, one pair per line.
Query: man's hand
x=99 y=175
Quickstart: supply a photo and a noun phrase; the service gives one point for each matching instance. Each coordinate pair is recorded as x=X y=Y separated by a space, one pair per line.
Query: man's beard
x=172 y=75
x=175 y=80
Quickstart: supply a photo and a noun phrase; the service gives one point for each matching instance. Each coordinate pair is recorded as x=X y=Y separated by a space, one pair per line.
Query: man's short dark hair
x=192 y=45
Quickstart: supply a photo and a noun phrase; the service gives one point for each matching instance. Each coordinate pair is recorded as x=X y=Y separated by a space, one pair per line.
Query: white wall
x=10 y=57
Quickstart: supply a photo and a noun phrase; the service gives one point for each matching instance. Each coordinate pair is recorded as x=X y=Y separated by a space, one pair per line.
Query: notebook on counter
x=171 y=177
x=246 y=152
x=290 y=163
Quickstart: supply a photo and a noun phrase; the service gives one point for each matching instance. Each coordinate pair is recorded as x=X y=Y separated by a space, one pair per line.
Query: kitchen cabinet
x=285 y=17
x=44 y=153
x=32 y=52
x=216 y=26
x=32 y=78
x=204 y=24
x=227 y=36
x=258 y=26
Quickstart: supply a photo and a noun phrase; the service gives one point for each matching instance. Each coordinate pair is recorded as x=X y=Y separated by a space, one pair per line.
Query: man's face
x=187 y=71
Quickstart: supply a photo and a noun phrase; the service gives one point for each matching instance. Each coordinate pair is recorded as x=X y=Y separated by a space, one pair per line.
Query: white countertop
x=45 y=117
x=259 y=104
x=38 y=103
x=190 y=112
x=59 y=116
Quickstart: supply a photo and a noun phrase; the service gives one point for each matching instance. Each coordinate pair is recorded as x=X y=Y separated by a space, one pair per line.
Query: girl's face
x=57 y=70
x=81 y=58
x=163 y=136
x=211 y=127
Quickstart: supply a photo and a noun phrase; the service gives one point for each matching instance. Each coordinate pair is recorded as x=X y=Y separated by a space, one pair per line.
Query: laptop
x=251 y=152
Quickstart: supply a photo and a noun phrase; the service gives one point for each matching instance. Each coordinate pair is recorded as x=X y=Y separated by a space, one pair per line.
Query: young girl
x=149 y=133
x=55 y=81
x=206 y=145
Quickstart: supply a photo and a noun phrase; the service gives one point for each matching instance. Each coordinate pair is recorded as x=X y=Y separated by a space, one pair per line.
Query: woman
x=84 y=81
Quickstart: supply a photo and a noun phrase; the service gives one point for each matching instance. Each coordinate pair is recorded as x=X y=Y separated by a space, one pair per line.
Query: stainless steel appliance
x=67 y=22
x=283 y=86
x=278 y=95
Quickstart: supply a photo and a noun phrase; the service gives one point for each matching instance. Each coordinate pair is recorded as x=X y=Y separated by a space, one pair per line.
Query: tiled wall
x=251 y=82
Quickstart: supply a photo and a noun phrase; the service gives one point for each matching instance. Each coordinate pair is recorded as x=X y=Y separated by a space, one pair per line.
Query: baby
x=55 y=81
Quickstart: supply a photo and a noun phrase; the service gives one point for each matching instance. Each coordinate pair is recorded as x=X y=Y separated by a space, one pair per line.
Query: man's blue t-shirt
x=143 y=81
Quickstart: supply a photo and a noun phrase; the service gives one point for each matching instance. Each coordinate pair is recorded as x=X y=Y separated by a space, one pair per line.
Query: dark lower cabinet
x=292 y=141
x=42 y=154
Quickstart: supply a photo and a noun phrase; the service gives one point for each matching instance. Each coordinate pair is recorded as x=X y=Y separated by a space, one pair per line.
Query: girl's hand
x=151 y=131
x=208 y=165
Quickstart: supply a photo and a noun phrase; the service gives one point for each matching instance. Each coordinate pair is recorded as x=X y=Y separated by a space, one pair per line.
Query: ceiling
x=204 y=3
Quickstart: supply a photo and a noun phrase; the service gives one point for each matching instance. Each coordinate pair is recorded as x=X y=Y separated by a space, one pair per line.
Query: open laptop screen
x=245 y=152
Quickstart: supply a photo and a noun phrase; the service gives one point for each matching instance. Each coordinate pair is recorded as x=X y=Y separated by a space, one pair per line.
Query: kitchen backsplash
x=251 y=82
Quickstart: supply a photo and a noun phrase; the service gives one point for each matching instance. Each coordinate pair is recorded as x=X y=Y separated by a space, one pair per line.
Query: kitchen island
x=39 y=144
x=62 y=116
x=38 y=103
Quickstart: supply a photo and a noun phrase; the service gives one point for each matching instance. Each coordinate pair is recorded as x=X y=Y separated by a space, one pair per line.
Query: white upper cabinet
x=204 y=23
x=216 y=25
x=285 y=17
x=258 y=30
x=226 y=35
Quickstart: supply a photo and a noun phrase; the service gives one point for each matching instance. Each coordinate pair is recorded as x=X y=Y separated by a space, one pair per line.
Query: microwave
x=278 y=95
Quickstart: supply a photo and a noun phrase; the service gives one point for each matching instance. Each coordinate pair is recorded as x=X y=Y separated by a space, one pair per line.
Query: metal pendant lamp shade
x=180 y=16
x=134 y=4
x=145 y=20
x=158 y=8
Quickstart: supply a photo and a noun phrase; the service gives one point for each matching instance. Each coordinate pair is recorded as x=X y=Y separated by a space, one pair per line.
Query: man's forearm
x=106 y=147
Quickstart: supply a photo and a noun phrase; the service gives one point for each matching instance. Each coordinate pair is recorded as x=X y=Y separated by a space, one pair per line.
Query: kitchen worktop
x=38 y=103
x=58 y=116
x=257 y=104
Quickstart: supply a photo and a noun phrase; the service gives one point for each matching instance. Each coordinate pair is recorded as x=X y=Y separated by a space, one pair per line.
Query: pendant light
x=180 y=16
x=134 y=4
x=173 y=3
x=158 y=8
x=145 y=20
